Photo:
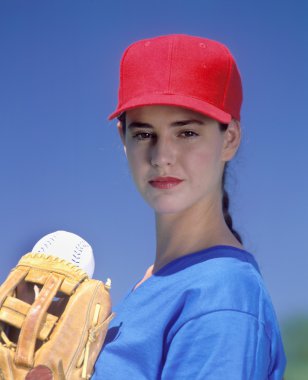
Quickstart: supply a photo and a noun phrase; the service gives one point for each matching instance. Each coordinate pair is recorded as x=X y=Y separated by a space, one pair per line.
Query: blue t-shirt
x=206 y=315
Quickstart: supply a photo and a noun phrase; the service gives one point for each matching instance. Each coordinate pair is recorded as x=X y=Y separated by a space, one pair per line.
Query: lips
x=165 y=182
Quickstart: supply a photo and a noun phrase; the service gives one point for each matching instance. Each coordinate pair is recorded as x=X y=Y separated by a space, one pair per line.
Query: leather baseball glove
x=53 y=320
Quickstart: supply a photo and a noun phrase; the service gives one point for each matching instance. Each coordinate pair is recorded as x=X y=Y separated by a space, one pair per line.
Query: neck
x=191 y=230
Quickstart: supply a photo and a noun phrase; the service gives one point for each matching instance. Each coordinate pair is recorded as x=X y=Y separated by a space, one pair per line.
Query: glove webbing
x=24 y=355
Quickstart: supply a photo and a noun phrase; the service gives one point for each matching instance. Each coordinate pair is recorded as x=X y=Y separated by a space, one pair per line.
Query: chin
x=167 y=207
x=165 y=211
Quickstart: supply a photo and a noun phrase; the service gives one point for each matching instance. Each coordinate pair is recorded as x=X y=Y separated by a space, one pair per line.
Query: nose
x=162 y=153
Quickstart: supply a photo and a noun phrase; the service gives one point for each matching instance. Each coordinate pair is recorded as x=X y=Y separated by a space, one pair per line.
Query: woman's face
x=177 y=156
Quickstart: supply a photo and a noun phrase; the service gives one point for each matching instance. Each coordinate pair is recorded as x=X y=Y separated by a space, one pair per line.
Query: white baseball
x=68 y=246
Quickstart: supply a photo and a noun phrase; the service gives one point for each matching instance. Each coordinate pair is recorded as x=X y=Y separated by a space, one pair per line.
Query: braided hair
x=225 y=195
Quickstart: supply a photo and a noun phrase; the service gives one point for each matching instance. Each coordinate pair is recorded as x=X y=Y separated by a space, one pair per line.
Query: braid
x=225 y=208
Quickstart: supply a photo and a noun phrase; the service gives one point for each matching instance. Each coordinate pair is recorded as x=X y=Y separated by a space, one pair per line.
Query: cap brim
x=174 y=100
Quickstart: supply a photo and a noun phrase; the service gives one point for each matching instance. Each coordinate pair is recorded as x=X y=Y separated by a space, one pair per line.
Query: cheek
x=136 y=161
x=204 y=166
x=202 y=159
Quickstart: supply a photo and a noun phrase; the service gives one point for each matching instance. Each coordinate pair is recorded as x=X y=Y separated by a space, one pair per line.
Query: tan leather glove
x=53 y=320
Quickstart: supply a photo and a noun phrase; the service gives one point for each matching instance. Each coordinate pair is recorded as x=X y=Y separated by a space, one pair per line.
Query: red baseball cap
x=180 y=70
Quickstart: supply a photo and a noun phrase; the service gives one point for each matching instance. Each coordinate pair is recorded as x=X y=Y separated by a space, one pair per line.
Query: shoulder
x=225 y=303
x=229 y=279
x=223 y=283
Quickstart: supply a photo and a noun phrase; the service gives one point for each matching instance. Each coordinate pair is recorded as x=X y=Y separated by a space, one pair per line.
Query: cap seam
x=170 y=65
x=228 y=76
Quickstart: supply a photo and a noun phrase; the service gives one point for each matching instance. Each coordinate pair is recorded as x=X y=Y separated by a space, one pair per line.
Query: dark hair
x=225 y=195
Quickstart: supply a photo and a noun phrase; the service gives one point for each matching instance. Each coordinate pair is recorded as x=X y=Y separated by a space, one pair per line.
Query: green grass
x=295 y=338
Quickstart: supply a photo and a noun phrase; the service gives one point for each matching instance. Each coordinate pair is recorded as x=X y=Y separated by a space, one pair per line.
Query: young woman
x=201 y=310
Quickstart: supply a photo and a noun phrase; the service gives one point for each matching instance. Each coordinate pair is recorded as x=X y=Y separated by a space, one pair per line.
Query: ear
x=232 y=139
x=121 y=133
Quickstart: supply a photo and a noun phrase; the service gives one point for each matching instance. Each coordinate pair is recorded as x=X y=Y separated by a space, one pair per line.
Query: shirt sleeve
x=222 y=345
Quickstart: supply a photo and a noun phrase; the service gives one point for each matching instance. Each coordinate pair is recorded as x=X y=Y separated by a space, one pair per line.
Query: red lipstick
x=165 y=182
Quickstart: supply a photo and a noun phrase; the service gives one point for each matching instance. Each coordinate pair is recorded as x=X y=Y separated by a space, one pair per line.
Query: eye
x=139 y=136
x=189 y=134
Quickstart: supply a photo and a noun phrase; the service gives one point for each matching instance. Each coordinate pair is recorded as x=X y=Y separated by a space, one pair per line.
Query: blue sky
x=63 y=165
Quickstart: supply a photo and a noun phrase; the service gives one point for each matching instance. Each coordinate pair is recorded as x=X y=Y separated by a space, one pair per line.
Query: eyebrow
x=180 y=123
